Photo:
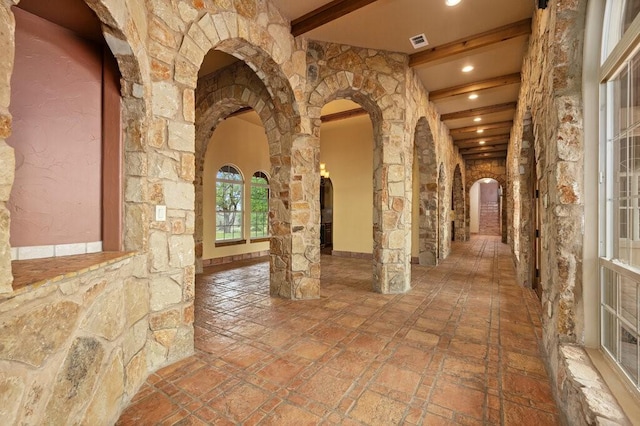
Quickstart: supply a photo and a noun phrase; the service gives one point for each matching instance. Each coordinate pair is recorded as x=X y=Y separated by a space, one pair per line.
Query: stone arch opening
x=346 y=76
x=485 y=213
x=220 y=94
x=458 y=205
x=346 y=154
x=351 y=99
x=481 y=170
x=425 y=156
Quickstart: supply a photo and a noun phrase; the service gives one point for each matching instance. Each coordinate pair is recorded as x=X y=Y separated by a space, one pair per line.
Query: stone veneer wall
x=494 y=169
x=108 y=328
x=7 y=158
x=459 y=206
x=434 y=146
x=551 y=102
x=74 y=350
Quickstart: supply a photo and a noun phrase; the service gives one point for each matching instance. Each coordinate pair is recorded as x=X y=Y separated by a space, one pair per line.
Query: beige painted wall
x=243 y=144
x=346 y=146
x=474 y=207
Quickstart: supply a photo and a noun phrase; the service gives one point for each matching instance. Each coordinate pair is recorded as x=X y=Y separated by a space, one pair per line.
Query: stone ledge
x=33 y=273
x=586 y=397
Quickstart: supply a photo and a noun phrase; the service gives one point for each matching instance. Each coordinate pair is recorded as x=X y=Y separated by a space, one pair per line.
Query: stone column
x=7 y=159
x=305 y=217
x=391 y=218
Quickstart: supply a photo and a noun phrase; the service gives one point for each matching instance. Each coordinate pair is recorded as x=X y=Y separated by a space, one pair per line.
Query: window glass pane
x=619 y=103
x=259 y=206
x=618 y=18
x=229 y=204
x=628 y=300
x=634 y=92
x=610 y=289
x=609 y=335
x=629 y=352
x=229 y=173
x=631 y=9
x=259 y=178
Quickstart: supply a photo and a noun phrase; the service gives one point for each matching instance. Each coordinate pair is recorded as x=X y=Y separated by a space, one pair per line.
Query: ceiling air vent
x=418 y=41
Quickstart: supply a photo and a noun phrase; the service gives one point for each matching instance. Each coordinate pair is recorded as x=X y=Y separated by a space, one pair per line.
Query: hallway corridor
x=460 y=348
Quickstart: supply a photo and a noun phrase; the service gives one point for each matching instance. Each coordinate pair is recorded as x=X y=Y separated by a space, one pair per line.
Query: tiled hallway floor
x=460 y=348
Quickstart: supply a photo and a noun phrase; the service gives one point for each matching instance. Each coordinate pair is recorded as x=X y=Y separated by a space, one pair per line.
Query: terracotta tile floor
x=460 y=348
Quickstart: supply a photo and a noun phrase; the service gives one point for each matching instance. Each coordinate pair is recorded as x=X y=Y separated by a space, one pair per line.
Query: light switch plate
x=161 y=213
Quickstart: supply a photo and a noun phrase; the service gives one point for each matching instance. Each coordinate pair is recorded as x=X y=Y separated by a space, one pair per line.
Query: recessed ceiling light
x=477 y=119
x=480 y=130
x=473 y=96
x=452 y=2
x=468 y=68
x=482 y=142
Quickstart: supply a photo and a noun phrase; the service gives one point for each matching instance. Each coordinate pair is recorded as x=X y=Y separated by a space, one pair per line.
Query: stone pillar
x=7 y=159
x=305 y=218
x=391 y=219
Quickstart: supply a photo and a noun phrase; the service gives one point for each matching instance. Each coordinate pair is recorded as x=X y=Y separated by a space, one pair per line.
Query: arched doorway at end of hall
x=485 y=201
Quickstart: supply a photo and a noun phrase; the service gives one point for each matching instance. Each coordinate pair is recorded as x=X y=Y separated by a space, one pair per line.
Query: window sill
x=627 y=398
x=33 y=273
x=229 y=243
x=260 y=240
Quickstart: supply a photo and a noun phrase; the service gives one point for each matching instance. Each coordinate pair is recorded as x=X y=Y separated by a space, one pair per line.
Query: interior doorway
x=326 y=215
x=486 y=207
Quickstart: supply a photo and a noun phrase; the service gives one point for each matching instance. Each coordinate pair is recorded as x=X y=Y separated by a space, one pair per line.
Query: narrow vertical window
x=229 y=201
x=259 y=205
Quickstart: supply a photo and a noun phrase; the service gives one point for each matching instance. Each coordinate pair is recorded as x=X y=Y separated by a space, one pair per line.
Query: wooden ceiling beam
x=325 y=14
x=343 y=115
x=490 y=83
x=483 y=148
x=486 y=156
x=475 y=112
x=489 y=126
x=488 y=141
x=467 y=44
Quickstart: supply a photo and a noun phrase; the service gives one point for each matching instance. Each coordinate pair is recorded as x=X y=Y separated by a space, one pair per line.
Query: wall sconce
x=323 y=171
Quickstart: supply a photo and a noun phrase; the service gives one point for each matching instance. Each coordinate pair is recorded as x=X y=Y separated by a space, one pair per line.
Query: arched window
x=229 y=183
x=259 y=205
x=620 y=150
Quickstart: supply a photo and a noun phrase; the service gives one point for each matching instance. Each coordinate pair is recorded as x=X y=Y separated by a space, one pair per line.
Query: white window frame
x=617 y=53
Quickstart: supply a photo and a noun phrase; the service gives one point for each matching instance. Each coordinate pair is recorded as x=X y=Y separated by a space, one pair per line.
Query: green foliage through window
x=259 y=205
x=228 y=204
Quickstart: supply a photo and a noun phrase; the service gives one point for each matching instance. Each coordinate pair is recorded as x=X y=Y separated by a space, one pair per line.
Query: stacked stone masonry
x=95 y=337
x=546 y=151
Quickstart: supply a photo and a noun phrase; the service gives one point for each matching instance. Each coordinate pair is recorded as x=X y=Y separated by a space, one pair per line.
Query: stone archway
x=292 y=275
x=218 y=95
x=428 y=175
x=458 y=206
x=335 y=72
x=480 y=170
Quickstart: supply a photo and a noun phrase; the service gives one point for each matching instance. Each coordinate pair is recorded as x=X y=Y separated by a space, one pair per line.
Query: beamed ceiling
x=490 y=35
